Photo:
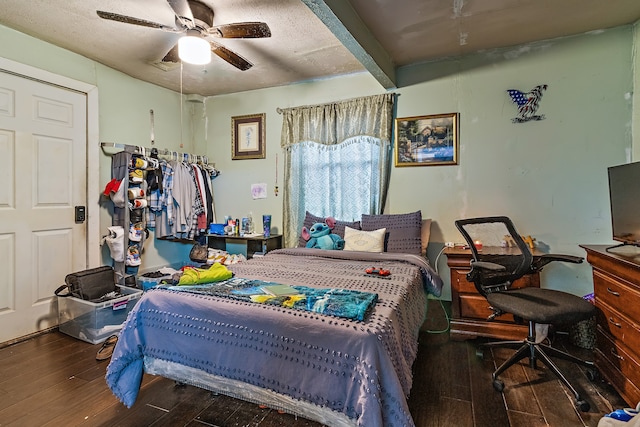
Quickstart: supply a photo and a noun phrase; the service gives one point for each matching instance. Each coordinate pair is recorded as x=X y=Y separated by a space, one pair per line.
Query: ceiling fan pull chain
x=275 y=188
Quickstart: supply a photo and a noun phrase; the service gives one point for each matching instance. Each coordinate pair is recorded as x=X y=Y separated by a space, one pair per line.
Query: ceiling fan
x=195 y=19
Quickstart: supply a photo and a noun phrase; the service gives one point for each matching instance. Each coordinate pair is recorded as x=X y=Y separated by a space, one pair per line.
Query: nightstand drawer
x=470 y=310
x=463 y=285
x=477 y=307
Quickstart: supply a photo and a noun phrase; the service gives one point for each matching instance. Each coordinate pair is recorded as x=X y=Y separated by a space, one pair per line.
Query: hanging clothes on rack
x=174 y=195
x=207 y=194
x=184 y=193
x=161 y=204
x=188 y=187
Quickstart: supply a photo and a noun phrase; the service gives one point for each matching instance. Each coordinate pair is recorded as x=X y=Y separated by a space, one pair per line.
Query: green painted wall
x=233 y=187
x=124 y=105
x=549 y=176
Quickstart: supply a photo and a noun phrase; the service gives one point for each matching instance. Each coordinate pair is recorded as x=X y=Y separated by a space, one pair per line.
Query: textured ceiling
x=311 y=39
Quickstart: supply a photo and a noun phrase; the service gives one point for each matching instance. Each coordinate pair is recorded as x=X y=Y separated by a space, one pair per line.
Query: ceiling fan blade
x=135 y=21
x=241 y=30
x=172 y=55
x=231 y=57
x=182 y=10
x=224 y=53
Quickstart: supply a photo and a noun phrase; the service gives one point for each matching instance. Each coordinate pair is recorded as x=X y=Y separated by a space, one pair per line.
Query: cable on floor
x=446 y=315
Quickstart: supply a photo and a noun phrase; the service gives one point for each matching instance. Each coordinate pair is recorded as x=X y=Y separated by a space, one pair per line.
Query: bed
x=334 y=370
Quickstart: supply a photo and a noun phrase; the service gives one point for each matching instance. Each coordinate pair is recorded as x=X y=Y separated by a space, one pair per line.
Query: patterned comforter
x=359 y=369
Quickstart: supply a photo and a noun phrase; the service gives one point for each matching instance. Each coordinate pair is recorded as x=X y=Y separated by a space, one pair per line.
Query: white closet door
x=43 y=131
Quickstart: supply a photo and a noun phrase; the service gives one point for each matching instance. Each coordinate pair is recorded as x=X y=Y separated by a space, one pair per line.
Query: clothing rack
x=123 y=163
x=174 y=155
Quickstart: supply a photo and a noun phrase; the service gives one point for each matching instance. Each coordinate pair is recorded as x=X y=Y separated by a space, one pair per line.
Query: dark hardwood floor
x=54 y=380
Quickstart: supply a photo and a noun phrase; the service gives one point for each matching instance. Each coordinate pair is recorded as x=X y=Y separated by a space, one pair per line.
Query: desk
x=616 y=285
x=251 y=244
x=469 y=309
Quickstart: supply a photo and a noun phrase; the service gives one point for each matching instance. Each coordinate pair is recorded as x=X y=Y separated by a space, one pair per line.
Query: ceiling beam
x=343 y=21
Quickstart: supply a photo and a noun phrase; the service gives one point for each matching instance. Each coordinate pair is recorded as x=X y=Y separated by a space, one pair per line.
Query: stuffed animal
x=508 y=241
x=319 y=236
x=531 y=241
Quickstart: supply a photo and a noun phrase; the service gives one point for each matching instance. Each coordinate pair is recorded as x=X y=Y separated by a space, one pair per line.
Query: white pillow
x=365 y=241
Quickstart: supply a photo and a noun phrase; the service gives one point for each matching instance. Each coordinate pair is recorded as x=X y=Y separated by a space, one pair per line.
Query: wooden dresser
x=616 y=283
x=469 y=309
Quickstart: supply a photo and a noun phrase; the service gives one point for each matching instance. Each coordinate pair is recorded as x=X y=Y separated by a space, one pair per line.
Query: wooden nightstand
x=251 y=244
x=469 y=309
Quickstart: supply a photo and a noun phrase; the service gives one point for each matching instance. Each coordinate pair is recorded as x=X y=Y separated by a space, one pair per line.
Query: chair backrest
x=495 y=240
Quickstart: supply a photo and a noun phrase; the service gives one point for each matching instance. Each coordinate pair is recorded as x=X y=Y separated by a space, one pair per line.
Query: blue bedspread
x=360 y=369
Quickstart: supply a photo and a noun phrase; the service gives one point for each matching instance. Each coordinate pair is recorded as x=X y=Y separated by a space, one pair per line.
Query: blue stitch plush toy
x=319 y=236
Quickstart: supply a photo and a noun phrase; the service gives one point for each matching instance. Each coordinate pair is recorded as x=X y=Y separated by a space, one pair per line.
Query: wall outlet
x=449 y=244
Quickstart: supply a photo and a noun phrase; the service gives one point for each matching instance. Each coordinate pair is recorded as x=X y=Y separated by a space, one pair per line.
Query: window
x=336 y=160
x=341 y=180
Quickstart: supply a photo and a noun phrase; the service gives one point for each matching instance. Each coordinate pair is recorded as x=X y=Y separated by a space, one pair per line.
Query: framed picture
x=248 y=137
x=427 y=140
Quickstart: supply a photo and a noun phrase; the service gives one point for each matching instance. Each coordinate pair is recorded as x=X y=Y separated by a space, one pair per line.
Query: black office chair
x=501 y=256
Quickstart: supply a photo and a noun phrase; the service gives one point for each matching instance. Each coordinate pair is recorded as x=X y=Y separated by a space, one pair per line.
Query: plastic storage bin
x=147 y=283
x=94 y=322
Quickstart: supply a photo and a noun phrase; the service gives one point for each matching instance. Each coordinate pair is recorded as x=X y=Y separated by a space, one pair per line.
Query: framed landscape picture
x=248 y=137
x=427 y=140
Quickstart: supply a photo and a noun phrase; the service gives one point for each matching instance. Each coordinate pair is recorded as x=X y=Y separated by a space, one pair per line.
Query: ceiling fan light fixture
x=194 y=50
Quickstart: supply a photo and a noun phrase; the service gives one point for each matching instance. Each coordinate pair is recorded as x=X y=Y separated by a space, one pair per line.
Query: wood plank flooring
x=53 y=380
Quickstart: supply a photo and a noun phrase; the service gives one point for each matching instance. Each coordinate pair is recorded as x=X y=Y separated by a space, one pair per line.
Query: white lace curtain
x=337 y=160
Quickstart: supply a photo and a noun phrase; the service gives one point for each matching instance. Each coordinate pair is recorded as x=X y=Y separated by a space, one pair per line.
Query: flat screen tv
x=624 y=196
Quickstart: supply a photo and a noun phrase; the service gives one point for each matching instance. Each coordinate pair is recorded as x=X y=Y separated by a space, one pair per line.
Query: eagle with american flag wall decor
x=528 y=103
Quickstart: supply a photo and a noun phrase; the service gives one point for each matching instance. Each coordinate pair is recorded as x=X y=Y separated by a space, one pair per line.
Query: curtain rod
x=282 y=110
x=137 y=149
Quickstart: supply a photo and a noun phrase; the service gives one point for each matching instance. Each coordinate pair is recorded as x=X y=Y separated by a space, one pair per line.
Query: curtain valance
x=331 y=124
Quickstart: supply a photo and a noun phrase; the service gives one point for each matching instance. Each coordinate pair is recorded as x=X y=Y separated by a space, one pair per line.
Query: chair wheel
x=583 y=405
x=498 y=385
x=592 y=374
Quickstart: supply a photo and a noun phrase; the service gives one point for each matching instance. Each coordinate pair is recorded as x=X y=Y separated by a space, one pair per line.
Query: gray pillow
x=404 y=231
x=310 y=219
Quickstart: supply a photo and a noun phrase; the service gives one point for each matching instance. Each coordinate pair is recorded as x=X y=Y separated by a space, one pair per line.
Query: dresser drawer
x=618 y=355
x=474 y=306
x=616 y=283
x=629 y=392
x=616 y=294
x=618 y=326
